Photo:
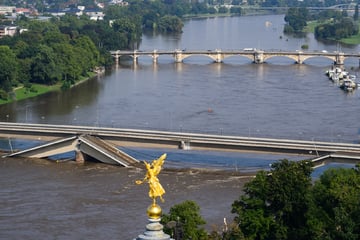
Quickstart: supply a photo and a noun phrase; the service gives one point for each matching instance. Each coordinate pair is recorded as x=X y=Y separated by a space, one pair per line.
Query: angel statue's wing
x=157 y=164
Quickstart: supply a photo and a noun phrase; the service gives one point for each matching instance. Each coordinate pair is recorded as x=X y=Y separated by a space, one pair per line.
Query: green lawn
x=36 y=89
x=21 y=93
x=355 y=39
x=310 y=26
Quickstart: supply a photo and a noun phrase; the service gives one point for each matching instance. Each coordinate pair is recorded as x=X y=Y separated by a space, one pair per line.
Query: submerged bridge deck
x=96 y=142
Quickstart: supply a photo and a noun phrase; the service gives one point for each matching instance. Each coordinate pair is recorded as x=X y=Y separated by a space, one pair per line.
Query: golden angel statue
x=153 y=169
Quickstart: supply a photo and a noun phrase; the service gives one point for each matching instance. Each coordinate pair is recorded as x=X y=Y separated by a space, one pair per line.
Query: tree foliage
x=48 y=56
x=296 y=18
x=8 y=67
x=337 y=29
x=188 y=221
x=170 y=24
x=274 y=202
x=336 y=197
x=284 y=204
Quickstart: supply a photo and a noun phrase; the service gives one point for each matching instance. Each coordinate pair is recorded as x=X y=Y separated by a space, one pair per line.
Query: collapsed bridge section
x=86 y=147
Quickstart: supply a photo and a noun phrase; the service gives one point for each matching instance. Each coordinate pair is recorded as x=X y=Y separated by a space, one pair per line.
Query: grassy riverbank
x=353 y=40
x=22 y=92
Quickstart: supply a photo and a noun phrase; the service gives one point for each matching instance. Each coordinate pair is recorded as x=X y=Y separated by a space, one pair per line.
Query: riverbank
x=22 y=92
x=247 y=12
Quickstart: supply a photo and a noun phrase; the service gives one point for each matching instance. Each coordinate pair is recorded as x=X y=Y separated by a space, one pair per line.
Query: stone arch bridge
x=218 y=56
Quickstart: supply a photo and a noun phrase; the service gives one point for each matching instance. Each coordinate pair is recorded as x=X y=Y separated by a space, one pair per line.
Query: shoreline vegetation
x=23 y=92
x=352 y=40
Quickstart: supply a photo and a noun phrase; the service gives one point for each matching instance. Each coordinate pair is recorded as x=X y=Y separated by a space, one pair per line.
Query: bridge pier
x=184 y=145
x=259 y=57
x=135 y=59
x=178 y=56
x=300 y=59
x=219 y=57
x=117 y=56
x=79 y=156
x=155 y=56
x=339 y=59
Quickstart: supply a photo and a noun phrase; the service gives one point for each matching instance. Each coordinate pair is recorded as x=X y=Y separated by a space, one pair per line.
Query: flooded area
x=44 y=199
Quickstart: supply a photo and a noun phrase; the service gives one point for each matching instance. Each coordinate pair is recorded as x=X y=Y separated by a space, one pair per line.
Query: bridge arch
x=238 y=58
x=247 y=56
x=301 y=59
x=186 y=56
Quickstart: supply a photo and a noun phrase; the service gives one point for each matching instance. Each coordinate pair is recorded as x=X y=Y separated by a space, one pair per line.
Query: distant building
x=7 y=31
x=118 y=2
x=4 y=10
x=24 y=11
x=100 y=5
x=95 y=15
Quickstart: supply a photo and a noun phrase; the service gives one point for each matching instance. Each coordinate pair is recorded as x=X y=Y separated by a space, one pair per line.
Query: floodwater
x=43 y=199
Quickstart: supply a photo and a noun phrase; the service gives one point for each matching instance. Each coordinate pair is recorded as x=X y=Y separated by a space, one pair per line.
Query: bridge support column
x=79 y=156
x=259 y=57
x=155 y=56
x=219 y=57
x=339 y=59
x=178 y=56
x=184 y=145
x=300 y=59
x=117 y=56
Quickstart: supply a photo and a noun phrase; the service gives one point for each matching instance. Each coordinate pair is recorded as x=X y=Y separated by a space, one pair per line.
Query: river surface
x=279 y=99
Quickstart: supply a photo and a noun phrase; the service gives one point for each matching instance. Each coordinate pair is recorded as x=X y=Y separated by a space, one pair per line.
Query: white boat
x=336 y=74
x=348 y=85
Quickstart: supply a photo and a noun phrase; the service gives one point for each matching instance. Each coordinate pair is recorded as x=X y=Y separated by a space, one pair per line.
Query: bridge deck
x=161 y=139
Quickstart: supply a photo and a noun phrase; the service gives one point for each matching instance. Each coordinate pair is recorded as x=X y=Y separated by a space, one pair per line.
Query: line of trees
x=334 y=24
x=283 y=203
x=338 y=25
x=46 y=55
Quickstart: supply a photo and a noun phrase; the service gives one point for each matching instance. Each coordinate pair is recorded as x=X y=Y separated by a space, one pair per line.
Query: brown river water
x=43 y=199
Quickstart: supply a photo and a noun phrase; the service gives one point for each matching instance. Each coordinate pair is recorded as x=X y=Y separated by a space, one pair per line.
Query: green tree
x=90 y=53
x=342 y=28
x=8 y=68
x=44 y=69
x=296 y=18
x=69 y=62
x=170 y=24
x=223 y=10
x=275 y=203
x=337 y=209
x=129 y=28
x=356 y=14
x=188 y=220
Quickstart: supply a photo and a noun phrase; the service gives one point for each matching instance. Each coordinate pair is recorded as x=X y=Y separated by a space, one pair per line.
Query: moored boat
x=336 y=74
x=348 y=85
